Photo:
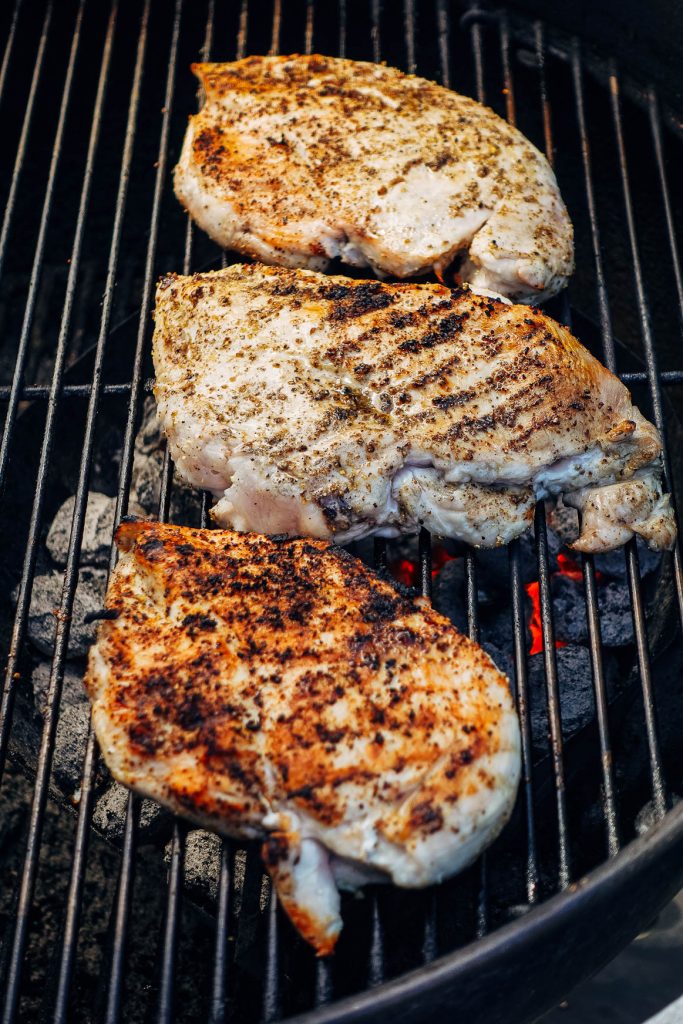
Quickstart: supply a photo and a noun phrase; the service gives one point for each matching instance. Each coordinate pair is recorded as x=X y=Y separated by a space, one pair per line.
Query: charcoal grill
x=93 y=101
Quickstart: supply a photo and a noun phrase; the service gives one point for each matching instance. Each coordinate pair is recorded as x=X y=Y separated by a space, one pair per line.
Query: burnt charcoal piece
x=45 y=601
x=493 y=564
x=563 y=521
x=201 y=864
x=575 y=684
x=569 y=608
x=502 y=659
x=97 y=530
x=495 y=626
x=109 y=814
x=613 y=563
x=448 y=593
x=72 y=726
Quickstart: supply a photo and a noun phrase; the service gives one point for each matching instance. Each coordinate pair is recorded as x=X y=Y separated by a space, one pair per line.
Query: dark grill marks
x=365 y=298
x=446 y=329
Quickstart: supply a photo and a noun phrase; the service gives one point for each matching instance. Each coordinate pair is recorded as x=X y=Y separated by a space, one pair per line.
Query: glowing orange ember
x=405 y=572
x=439 y=558
x=408 y=572
x=568 y=567
x=535 y=626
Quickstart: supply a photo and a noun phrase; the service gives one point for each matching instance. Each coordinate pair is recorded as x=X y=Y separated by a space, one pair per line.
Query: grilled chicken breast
x=337 y=408
x=280 y=689
x=295 y=160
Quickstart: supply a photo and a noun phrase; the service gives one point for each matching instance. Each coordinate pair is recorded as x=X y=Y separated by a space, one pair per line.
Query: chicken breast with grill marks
x=282 y=690
x=296 y=160
x=337 y=408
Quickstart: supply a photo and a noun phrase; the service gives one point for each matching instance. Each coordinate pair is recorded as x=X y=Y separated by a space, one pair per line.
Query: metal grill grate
x=94 y=123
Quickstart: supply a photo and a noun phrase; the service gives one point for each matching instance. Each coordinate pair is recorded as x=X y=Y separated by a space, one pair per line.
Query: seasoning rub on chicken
x=337 y=408
x=280 y=689
x=296 y=160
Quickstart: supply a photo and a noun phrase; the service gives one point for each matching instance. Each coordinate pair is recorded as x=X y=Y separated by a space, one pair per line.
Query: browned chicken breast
x=337 y=408
x=281 y=689
x=296 y=160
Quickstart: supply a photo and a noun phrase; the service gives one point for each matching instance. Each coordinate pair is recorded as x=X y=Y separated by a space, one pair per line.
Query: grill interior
x=94 y=101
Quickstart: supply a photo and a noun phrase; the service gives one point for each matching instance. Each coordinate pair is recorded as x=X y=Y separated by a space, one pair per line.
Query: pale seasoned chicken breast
x=337 y=408
x=295 y=160
x=280 y=689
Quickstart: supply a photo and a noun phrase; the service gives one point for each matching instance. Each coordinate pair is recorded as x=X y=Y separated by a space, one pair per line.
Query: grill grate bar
x=429 y=938
x=342 y=28
x=220 y=956
x=324 y=981
x=482 y=912
x=170 y=943
x=9 y=46
x=471 y=594
x=659 y=794
x=121 y=912
x=539 y=40
x=595 y=645
x=656 y=129
x=277 y=22
x=36 y=269
x=544 y=591
x=310 y=15
x=643 y=308
x=477 y=51
x=76 y=880
x=39 y=392
x=409 y=28
x=376 y=955
x=271 y=983
x=375 y=33
x=522 y=698
x=552 y=694
x=242 y=30
x=23 y=138
x=443 y=26
x=508 y=86
x=609 y=355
